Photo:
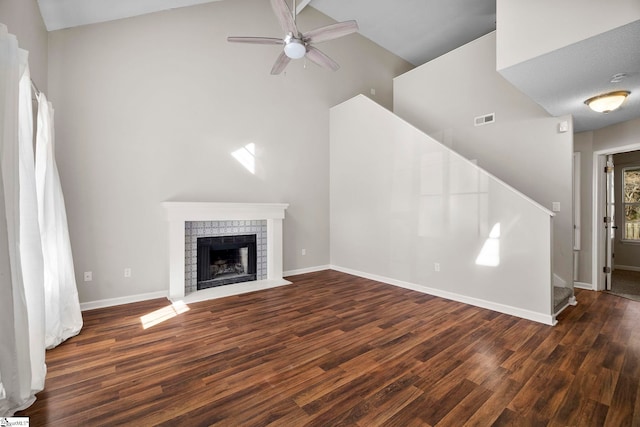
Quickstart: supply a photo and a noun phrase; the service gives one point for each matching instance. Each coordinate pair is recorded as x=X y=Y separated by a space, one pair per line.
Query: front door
x=609 y=224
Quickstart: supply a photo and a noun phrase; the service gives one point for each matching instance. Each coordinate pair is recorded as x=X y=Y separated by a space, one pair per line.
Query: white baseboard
x=305 y=270
x=626 y=267
x=110 y=302
x=547 y=319
x=582 y=285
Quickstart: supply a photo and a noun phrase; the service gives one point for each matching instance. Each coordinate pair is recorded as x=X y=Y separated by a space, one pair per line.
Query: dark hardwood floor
x=333 y=349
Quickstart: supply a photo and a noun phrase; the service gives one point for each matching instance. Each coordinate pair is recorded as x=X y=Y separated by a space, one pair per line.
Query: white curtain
x=30 y=245
x=22 y=368
x=63 y=315
x=39 y=304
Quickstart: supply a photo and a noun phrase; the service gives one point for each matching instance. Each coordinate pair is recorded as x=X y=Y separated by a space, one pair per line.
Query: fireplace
x=224 y=260
x=189 y=221
x=199 y=269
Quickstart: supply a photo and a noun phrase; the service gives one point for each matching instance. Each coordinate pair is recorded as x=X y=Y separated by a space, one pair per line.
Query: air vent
x=484 y=120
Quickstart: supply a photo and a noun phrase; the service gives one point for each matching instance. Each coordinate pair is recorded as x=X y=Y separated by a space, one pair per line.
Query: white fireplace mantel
x=178 y=213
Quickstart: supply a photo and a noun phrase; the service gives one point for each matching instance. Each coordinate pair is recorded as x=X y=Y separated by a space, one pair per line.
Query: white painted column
x=176 y=259
x=274 y=249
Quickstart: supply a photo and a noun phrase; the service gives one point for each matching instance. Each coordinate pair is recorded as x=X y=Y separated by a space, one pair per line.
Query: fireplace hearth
x=225 y=260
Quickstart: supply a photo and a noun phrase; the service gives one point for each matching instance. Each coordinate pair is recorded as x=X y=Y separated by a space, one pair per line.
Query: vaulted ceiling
x=421 y=30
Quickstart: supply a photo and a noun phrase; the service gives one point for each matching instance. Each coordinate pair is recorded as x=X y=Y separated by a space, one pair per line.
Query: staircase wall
x=407 y=210
x=524 y=147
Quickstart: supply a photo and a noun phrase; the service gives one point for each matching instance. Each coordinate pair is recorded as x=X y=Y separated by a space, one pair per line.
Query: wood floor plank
x=334 y=349
x=495 y=404
x=435 y=413
x=621 y=410
x=465 y=408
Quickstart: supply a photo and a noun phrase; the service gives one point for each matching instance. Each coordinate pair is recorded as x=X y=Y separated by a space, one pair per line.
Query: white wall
x=523 y=147
x=402 y=202
x=611 y=139
x=583 y=144
x=626 y=254
x=528 y=29
x=22 y=18
x=150 y=109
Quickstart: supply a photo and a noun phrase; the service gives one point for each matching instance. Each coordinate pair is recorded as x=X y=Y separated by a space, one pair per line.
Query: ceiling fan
x=297 y=44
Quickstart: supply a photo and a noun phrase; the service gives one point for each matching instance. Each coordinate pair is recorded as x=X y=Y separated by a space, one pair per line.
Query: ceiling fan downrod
x=295 y=13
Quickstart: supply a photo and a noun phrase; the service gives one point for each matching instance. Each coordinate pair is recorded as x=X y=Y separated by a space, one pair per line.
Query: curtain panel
x=22 y=366
x=39 y=305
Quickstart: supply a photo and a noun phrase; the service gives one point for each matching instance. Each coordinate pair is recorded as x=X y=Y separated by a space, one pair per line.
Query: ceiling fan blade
x=330 y=32
x=283 y=13
x=280 y=64
x=315 y=55
x=255 y=40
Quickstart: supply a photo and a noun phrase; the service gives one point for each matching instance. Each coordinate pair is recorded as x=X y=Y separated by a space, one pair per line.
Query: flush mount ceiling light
x=607 y=102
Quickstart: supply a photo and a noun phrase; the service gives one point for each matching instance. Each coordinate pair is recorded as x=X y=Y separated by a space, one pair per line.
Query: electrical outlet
x=88 y=276
x=304 y=252
x=127 y=272
x=436 y=266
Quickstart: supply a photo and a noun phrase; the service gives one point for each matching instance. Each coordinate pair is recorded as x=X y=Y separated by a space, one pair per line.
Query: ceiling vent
x=484 y=120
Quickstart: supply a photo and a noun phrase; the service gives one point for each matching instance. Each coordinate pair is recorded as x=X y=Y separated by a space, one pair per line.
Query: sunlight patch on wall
x=490 y=252
x=162 y=314
x=246 y=156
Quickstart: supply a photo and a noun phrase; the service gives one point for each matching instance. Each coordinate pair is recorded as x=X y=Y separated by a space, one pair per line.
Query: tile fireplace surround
x=179 y=213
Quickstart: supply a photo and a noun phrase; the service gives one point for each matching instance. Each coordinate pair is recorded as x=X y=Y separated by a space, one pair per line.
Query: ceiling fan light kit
x=607 y=102
x=296 y=44
x=294 y=48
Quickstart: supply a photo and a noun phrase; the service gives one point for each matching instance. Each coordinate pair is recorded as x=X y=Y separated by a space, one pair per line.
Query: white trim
x=623 y=221
x=177 y=213
x=501 y=308
x=576 y=202
x=305 y=270
x=206 y=294
x=231 y=290
x=582 y=285
x=209 y=211
x=627 y=267
x=597 y=250
x=597 y=254
x=111 y=302
x=302 y=5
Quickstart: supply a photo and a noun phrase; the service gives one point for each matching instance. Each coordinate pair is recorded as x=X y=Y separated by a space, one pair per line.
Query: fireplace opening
x=224 y=260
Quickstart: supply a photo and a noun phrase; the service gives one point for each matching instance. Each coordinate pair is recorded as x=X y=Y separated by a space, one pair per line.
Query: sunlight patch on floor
x=162 y=314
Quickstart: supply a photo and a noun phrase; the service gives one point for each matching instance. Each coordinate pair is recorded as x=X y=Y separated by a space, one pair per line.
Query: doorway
x=620 y=275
